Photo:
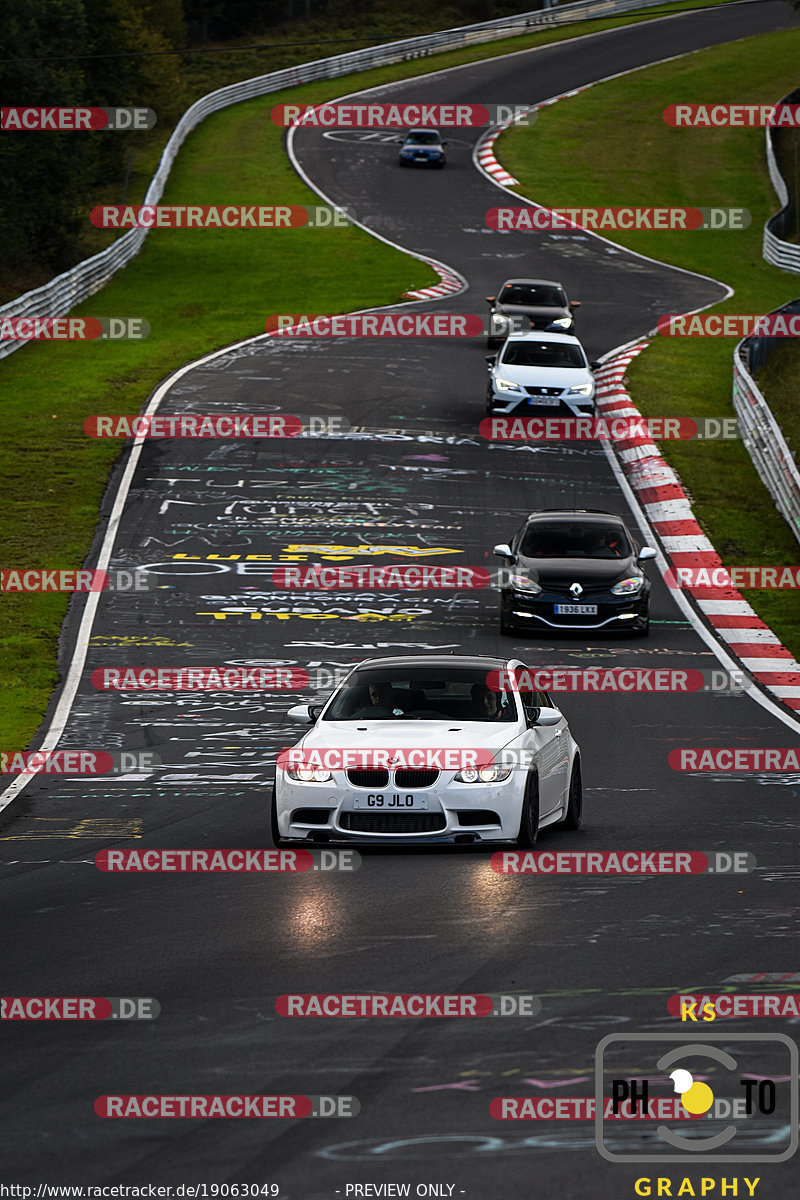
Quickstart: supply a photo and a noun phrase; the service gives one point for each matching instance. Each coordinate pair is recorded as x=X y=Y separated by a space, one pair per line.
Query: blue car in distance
x=423 y=146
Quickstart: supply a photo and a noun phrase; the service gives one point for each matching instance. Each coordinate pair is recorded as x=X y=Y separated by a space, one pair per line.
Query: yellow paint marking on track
x=94 y=827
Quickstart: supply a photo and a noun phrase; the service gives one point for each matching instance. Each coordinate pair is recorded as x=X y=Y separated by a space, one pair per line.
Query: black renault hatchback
x=577 y=569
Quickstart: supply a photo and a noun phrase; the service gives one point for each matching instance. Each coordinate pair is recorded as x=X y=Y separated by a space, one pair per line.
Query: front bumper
x=424 y=160
x=456 y=812
x=613 y=612
x=536 y=406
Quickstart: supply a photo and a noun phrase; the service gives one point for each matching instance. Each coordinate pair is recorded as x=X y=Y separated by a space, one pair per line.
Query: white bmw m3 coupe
x=428 y=749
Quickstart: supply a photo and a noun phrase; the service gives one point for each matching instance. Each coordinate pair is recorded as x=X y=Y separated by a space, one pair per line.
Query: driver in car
x=485 y=702
x=383 y=702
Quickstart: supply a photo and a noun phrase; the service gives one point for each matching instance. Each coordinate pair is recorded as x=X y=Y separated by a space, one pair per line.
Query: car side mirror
x=594 y=366
x=490 y=299
x=305 y=712
x=444 y=143
x=645 y=553
x=547 y=716
x=491 y=359
x=503 y=550
x=574 y=304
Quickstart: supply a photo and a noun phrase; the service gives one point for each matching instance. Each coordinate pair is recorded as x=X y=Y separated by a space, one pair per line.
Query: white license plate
x=391 y=802
x=576 y=610
x=545 y=401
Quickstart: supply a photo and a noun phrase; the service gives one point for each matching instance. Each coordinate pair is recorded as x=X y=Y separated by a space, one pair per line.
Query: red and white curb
x=484 y=156
x=666 y=506
x=488 y=163
x=450 y=285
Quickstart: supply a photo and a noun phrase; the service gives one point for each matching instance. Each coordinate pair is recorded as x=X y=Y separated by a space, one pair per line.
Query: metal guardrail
x=775 y=250
x=60 y=295
x=761 y=433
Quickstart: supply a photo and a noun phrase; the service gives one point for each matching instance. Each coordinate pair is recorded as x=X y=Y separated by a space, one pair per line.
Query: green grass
x=199 y=290
x=645 y=162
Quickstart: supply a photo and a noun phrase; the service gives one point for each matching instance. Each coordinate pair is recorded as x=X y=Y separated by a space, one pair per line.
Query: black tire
x=277 y=838
x=489 y=407
x=529 y=818
x=642 y=631
x=574 y=813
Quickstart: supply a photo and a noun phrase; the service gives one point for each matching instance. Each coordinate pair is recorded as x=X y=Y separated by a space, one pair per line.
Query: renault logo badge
x=576 y=589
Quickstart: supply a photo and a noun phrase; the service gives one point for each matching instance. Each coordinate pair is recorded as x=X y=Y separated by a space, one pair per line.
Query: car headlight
x=499 y=320
x=523 y=584
x=507 y=385
x=628 y=587
x=309 y=775
x=581 y=389
x=482 y=774
x=562 y=322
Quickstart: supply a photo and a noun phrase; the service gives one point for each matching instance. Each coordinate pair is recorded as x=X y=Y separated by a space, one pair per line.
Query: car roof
x=544 y=335
x=597 y=515
x=423 y=129
x=544 y=282
x=437 y=661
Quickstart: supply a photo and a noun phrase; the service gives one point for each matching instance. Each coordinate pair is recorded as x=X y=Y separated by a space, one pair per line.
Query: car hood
x=398 y=734
x=564 y=571
x=563 y=377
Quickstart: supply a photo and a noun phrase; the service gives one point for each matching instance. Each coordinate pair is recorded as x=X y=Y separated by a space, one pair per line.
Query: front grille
x=377 y=778
x=369 y=822
x=561 y=589
x=544 y=391
x=415 y=779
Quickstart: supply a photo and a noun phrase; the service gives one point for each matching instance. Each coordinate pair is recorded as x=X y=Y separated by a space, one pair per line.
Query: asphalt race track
x=411 y=481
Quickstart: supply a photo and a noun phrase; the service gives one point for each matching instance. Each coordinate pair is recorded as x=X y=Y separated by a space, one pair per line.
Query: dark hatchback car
x=542 y=301
x=422 y=147
x=576 y=569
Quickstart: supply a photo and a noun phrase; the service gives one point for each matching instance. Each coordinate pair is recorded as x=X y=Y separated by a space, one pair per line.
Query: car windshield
x=562 y=539
x=534 y=294
x=542 y=354
x=421 y=693
x=422 y=139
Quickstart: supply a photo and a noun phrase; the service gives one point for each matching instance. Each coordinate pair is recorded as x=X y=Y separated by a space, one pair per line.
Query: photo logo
x=742 y=1101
